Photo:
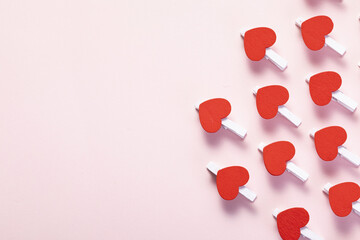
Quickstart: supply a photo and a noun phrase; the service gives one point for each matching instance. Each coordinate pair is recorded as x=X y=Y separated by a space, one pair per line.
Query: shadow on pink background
x=100 y=138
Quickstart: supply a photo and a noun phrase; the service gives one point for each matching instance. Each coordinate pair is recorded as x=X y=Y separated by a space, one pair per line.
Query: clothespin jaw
x=228 y=124
x=284 y=111
x=340 y=98
x=330 y=42
x=304 y=231
x=290 y=167
x=355 y=205
x=246 y=192
x=343 y=152
x=271 y=55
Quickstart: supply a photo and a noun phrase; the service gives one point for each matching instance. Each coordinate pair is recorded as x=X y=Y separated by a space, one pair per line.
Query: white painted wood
x=296 y=171
x=246 y=192
x=351 y=157
x=330 y=42
x=304 y=231
x=337 y=47
x=233 y=127
x=355 y=205
x=344 y=100
x=276 y=59
x=230 y=125
x=289 y=115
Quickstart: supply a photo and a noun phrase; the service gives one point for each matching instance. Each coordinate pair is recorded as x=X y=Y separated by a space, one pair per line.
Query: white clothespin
x=271 y=55
x=343 y=152
x=305 y=231
x=355 y=205
x=284 y=111
x=246 y=192
x=341 y=98
x=228 y=124
x=330 y=42
x=290 y=167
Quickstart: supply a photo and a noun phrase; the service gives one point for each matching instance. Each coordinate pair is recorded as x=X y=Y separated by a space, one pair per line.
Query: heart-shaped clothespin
x=270 y=100
x=292 y=223
x=324 y=88
x=343 y=198
x=231 y=180
x=277 y=158
x=328 y=144
x=213 y=114
x=257 y=43
x=315 y=32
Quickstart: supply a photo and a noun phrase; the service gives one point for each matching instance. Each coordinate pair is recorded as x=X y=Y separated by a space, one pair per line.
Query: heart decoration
x=290 y=221
x=322 y=85
x=256 y=41
x=276 y=155
x=229 y=180
x=211 y=112
x=269 y=98
x=314 y=31
x=327 y=141
x=341 y=197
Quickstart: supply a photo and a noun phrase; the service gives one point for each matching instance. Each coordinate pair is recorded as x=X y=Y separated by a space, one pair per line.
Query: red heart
x=327 y=141
x=290 y=221
x=314 y=31
x=256 y=41
x=276 y=155
x=269 y=98
x=322 y=85
x=211 y=112
x=342 y=196
x=228 y=181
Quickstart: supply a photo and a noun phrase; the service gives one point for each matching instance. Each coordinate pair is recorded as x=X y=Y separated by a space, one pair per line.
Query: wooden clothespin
x=315 y=33
x=213 y=115
x=328 y=144
x=277 y=158
x=231 y=180
x=343 y=198
x=324 y=88
x=292 y=223
x=257 y=43
x=270 y=100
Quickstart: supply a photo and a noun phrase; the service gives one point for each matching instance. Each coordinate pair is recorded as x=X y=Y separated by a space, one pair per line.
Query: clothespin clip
x=328 y=144
x=312 y=30
x=257 y=43
x=231 y=180
x=277 y=158
x=270 y=100
x=340 y=197
x=294 y=216
x=324 y=88
x=213 y=115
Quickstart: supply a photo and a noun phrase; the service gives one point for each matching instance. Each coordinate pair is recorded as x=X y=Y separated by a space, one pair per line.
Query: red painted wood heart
x=269 y=98
x=211 y=112
x=327 y=141
x=228 y=181
x=341 y=197
x=290 y=221
x=314 y=31
x=256 y=41
x=322 y=85
x=276 y=155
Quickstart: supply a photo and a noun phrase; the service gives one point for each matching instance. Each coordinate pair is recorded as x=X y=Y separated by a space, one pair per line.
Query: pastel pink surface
x=99 y=135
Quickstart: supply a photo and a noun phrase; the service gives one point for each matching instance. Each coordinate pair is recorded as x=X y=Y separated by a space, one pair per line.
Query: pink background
x=99 y=138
